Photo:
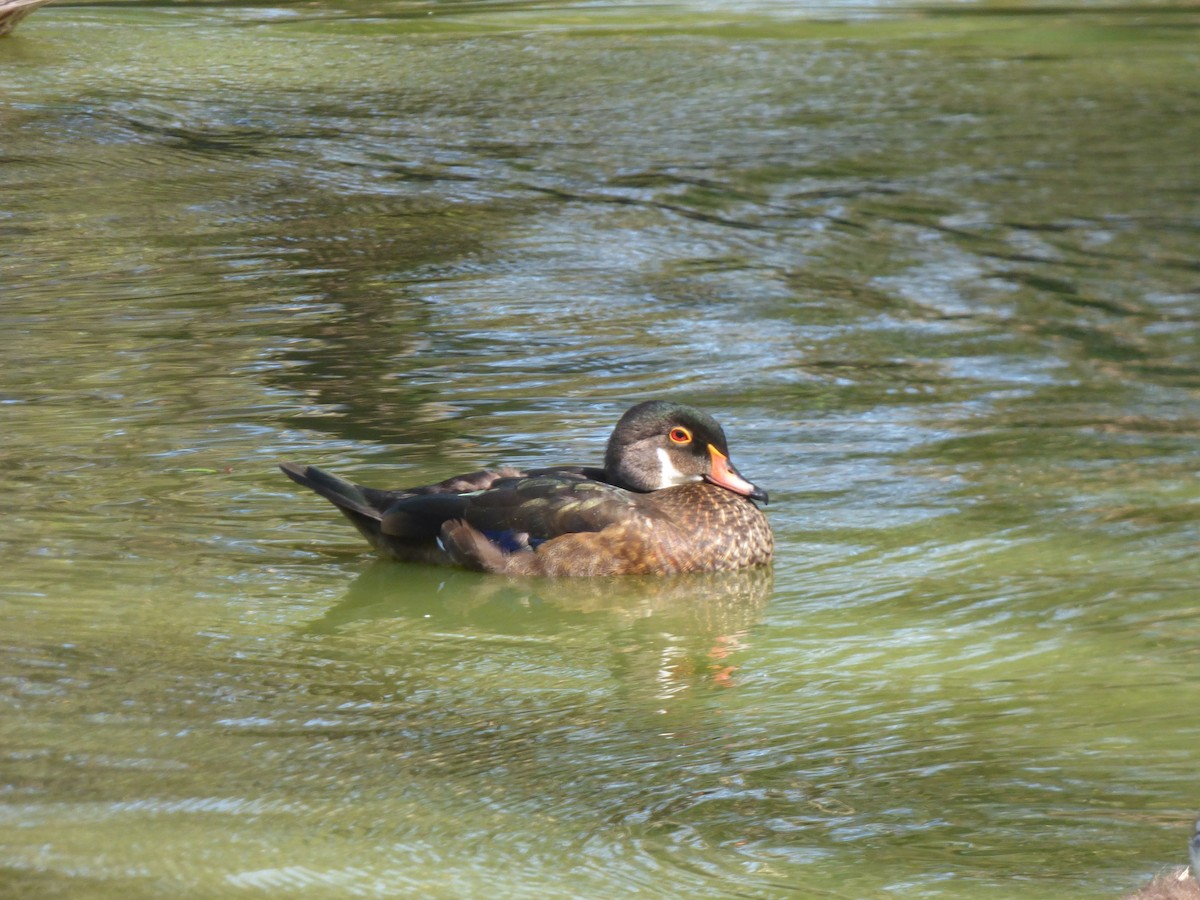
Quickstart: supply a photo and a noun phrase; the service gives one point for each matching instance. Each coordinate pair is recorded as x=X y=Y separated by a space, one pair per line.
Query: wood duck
x=666 y=501
x=1178 y=884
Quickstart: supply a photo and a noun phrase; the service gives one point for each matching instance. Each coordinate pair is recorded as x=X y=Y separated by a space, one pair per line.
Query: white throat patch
x=668 y=475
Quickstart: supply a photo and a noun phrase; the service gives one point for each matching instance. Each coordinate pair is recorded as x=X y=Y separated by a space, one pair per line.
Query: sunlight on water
x=934 y=271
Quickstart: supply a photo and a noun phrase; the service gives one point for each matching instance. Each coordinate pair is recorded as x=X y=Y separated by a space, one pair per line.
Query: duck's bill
x=724 y=474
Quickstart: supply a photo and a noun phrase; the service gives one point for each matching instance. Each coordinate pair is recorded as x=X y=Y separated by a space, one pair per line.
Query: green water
x=935 y=270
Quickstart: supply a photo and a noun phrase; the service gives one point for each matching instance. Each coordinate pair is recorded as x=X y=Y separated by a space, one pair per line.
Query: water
x=934 y=270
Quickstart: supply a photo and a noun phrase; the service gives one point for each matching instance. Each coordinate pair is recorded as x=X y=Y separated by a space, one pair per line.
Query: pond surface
x=935 y=269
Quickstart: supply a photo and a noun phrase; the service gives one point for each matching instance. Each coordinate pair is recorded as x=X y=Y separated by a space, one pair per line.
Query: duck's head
x=658 y=444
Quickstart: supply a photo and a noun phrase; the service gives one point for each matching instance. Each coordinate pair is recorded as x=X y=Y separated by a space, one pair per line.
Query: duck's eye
x=680 y=435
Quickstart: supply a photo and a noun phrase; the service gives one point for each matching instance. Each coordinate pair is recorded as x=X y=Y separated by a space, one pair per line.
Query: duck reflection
x=673 y=631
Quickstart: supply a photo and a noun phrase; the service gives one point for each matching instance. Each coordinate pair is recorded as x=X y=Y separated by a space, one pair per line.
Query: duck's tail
x=347 y=497
x=338 y=491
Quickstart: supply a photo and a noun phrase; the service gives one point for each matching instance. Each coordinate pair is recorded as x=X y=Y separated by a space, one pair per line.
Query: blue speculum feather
x=512 y=541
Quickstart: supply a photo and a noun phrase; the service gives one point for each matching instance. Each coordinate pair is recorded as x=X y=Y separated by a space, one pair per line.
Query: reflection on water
x=711 y=603
x=663 y=632
x=934 y=271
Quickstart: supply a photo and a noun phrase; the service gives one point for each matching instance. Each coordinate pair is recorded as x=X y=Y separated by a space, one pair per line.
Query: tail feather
x=338 y=491
x=407 y=533
x=346 y=497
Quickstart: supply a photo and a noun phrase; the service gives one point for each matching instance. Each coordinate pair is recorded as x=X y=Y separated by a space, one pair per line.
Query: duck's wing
x=556 y=525
x=544 y=507
x=492 y=513
x=516 y=512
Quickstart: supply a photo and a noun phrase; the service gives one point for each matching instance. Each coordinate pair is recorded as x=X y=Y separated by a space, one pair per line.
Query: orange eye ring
x=679 y=435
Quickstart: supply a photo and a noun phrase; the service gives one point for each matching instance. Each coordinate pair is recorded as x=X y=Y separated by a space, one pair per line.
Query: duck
x=1181 y=883
x=667 y=500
